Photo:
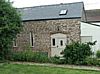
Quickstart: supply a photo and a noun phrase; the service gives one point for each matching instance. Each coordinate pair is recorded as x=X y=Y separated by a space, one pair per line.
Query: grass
x=32 y=69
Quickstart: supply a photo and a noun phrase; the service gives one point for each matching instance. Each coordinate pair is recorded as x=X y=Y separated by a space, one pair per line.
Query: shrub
x=26 y=55
x=30 y=56
x=92 y=61
x=98 y=54
x=75 y=53
x=40 y=57
x=56 y=60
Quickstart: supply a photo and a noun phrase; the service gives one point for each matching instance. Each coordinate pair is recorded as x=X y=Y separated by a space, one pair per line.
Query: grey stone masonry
x=43 y=29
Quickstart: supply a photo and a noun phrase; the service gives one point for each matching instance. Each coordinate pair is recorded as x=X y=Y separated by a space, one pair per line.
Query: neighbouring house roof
x=57 y=11
x=93 y=15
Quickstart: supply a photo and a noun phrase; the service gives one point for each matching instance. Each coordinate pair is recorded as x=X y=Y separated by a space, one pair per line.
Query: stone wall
x=42 y=31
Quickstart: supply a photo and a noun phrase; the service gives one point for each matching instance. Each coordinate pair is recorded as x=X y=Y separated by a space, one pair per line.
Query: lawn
x=32 y=69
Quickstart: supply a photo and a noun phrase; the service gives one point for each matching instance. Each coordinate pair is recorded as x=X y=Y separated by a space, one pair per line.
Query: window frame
x=32 y=39
x=63 y=12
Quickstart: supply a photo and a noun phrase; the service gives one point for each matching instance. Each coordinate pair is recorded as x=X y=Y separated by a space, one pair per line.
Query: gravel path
x=62 y=66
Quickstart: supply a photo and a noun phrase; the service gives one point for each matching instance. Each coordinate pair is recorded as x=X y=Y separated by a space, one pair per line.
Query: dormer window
x=63 y=12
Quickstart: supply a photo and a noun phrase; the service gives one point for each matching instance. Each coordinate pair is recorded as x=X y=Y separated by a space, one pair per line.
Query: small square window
x=63 y=12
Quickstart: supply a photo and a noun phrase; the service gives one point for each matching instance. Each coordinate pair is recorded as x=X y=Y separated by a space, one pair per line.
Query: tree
x=10 y=26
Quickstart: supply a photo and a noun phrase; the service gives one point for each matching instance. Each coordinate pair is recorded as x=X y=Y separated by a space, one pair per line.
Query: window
x=31 y=39
x=61 y=43
x=63 y=12
x=14 y=43
x=53 y=41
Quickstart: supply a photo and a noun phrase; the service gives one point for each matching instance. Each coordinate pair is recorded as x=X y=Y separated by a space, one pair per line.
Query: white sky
x=89 y=4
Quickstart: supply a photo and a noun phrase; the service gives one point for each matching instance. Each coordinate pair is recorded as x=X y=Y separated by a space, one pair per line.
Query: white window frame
x=63 y=12
x=32 y=40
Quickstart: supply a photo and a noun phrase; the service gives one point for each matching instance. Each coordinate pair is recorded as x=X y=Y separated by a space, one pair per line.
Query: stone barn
x=49 y=28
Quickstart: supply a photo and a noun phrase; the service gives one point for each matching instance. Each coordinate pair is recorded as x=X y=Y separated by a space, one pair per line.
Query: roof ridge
x=50 y=5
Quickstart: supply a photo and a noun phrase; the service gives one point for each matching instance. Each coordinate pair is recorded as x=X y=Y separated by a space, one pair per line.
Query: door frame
x=59 y=36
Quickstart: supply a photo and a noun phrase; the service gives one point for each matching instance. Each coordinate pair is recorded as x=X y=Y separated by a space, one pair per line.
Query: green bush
x=56 y=60
x=30 y=56
x=75 y=53
x=92 y=61
x=40 y=57
x=98 y=54
x=26 y=55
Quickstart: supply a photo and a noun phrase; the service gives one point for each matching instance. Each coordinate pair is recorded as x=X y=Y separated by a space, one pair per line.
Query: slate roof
x=93 y=15
x=52 y=11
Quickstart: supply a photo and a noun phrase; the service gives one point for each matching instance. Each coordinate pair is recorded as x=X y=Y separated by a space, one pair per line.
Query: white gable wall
x=91 y=31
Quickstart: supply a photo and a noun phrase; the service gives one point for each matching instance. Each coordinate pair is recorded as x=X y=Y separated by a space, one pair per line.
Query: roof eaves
x=51 y=19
